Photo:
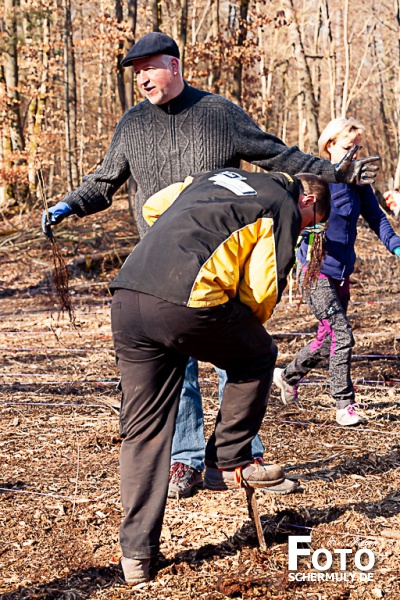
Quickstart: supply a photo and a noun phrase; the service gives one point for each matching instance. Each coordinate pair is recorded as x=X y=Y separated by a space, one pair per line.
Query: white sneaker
x=288 y=392
x=349 y=416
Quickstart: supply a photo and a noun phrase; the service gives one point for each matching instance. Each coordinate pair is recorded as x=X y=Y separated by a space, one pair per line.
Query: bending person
x=201 y=283
x=329 y=297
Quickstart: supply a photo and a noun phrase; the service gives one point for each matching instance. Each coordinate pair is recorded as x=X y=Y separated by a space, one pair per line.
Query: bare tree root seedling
x=60 y=271
x=60 y=280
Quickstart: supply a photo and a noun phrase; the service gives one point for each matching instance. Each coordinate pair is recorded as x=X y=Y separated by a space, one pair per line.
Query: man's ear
x=307 y=200
x=175 y=66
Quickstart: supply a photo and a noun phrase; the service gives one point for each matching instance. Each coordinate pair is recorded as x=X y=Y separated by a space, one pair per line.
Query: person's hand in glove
x=54 y=215
x=396 y=251
x=356 y=171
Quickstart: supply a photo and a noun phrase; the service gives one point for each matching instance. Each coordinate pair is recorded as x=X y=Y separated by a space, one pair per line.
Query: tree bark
x=238 y=63
x=387 y=154
x=100 y=79
x=397 y=89
x=179 y=27
x=330 y=54
x=125 y=76
x=306 y=83
x=38 y=106
x=11 y=74
x=6 y=189
x=70 y=98
x=155 y=14
x=14 y=143
x=216 y=40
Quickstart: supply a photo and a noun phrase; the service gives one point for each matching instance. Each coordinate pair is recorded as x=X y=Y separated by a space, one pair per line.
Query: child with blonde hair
x=329 y=297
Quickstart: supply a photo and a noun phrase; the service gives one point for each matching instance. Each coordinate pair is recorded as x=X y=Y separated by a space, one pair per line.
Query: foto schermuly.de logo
x=342 y=564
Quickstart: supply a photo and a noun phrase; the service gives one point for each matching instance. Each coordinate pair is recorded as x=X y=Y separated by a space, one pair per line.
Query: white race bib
x=233 y=182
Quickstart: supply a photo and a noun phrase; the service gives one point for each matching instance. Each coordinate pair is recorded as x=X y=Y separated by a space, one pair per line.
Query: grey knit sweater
x=197 y=131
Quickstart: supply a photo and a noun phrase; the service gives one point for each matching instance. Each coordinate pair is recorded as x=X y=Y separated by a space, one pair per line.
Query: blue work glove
x=55 y=215
x=356 y=171
x=396 y=251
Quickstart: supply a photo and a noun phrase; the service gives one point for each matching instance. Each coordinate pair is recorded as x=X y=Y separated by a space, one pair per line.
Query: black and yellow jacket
x=226 y=233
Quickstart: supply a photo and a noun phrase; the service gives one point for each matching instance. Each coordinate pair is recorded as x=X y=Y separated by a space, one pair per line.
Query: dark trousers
x=153 y=340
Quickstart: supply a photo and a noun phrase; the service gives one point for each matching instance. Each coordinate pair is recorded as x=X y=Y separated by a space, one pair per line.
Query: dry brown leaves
x=59 y=445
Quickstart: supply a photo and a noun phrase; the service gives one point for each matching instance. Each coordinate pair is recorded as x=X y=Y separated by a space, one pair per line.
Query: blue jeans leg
x=257 y=447
x=188 y=444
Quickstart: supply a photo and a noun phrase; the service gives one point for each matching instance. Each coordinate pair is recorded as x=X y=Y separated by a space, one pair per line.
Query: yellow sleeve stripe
x=244 y=264
x=160 y=201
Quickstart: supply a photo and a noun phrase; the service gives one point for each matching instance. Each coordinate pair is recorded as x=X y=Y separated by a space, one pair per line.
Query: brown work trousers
x=153 y=340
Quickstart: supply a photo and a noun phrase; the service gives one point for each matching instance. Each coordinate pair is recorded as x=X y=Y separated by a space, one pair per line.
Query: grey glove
x=356 y=171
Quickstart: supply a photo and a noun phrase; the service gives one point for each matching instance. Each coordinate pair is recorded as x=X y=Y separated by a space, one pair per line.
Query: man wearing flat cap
x=175 y=132
x=150 y=45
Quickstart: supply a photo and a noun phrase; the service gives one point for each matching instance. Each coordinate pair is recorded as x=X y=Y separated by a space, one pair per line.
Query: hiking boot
x=349 y=416
x=135 y=570
x=287 y=486
x=288 y=392
x=183 y=480
x=253 y=475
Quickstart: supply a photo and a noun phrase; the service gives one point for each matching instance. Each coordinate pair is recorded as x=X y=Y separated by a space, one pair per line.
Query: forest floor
x=59 y=443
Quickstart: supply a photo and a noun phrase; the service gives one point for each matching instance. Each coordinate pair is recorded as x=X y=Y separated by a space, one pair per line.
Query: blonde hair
x=334 y=129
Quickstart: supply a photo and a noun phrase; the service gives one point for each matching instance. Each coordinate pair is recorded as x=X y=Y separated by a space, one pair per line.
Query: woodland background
x=291 y=64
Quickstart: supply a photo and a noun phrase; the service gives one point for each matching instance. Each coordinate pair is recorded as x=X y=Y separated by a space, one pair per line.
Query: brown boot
x=135 y=570
x=253 y=475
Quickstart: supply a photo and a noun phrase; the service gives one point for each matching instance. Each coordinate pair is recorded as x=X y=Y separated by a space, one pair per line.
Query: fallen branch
x=88 y=260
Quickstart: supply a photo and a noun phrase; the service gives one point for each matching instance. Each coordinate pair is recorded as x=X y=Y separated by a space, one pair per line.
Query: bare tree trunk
x=331 y=57
x=182 y=38
x=100 y=79
x=119 y=14
x=125 y=79
x=10 y=77
x=270 y=71
x=70 y=99
x=38 y=107
x=156 y=14
x=11 y=74
x=283 y=114
x=316 y=65
x=82 y=113
x=307 y=86
x=6 y=189
x=238 y=63
x=387 y=156
x=397 y=88
x=216 y=41
x=302 y=123
x=125 y=76
x=346 y=47
x=179 y=26
x=197 y=27
x=359 y=82
x=263 y=77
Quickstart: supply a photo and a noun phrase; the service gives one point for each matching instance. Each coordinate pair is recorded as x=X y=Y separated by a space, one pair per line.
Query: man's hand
x=54 y=215
x=356 y=171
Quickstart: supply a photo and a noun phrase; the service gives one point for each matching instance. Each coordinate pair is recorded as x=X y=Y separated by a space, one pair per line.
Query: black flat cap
x=149 y=45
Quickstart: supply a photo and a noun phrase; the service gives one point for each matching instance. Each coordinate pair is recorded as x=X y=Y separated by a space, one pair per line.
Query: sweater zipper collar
x=175 y=105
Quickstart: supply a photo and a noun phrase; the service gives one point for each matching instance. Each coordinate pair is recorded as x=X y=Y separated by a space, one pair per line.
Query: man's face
x=158 y=78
